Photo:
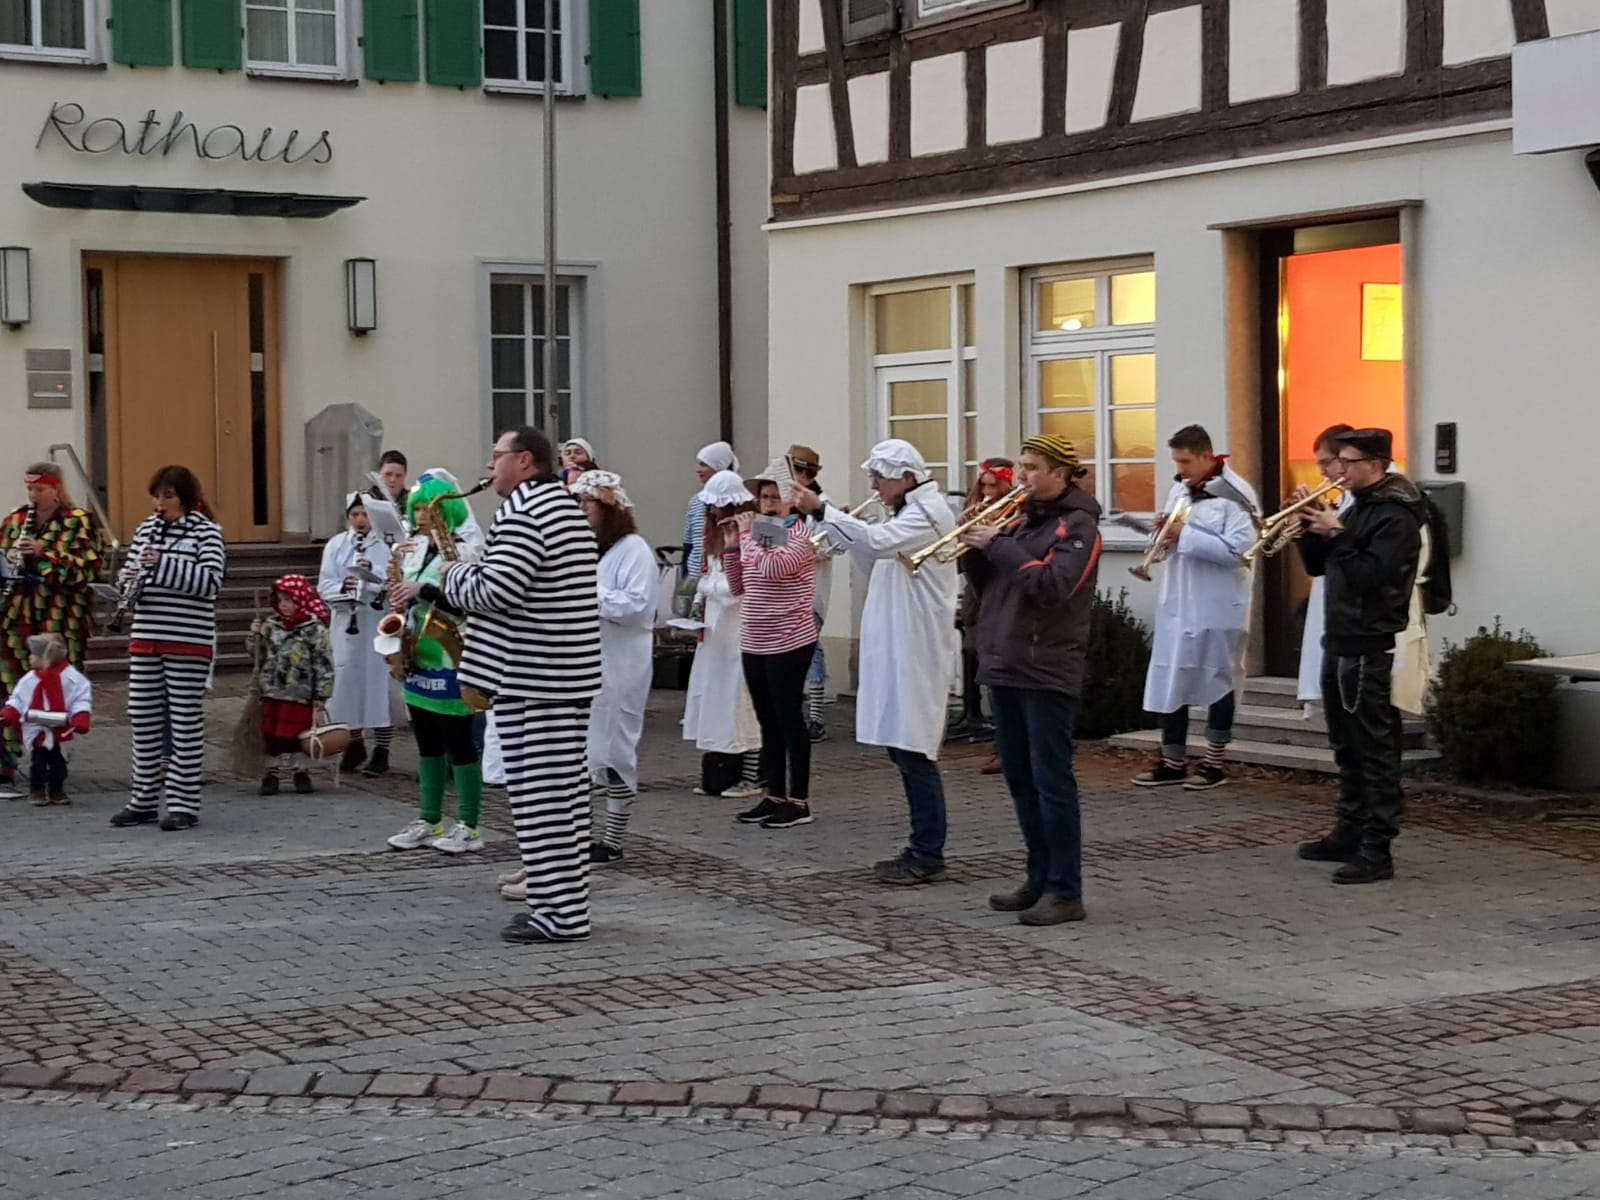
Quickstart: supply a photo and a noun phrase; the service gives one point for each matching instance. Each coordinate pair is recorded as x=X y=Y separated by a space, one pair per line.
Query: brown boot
x=1052 y=910
x=59 y=798
x=38 y=799
x=1018 y=901
x=992 y=767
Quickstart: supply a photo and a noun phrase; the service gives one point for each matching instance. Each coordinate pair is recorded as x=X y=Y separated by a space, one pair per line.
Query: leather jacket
x=1370 y=567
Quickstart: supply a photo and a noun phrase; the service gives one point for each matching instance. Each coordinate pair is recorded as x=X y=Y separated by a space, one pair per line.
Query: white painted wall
x=1091 y=63
x=1013 y=90
x=1504 y=336
x=1367 y=39
x=869 y=117
x=1263 y=49
x=452 y=178
x=1169 y=68
x=939 y=104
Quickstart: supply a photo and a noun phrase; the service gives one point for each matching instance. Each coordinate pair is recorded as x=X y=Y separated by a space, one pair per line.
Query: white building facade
x=1110 y=220
x=226 y=215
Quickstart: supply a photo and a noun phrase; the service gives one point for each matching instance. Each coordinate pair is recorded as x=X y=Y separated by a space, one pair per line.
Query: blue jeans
x=925 y=798
x=1175 y=727
x=1033 y=734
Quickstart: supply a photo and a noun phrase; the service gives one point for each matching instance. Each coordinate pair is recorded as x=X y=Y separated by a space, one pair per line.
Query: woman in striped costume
x=172 y=576
x=533 y=644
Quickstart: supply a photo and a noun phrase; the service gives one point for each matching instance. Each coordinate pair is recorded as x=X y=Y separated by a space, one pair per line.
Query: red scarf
x=49 y=695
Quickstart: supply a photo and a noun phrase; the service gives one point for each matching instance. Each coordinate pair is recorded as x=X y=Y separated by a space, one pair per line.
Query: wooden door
x=190 y=377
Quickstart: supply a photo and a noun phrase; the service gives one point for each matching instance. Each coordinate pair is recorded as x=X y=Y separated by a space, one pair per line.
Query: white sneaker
x=418 y=833
x=462 y=839
x=744 y=791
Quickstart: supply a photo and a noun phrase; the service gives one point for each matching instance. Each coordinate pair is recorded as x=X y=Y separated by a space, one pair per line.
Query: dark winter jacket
x=1370 y=567
x=1037 y=580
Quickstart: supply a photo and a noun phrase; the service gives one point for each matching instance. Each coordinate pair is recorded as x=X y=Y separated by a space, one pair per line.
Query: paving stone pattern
x=1221 y=992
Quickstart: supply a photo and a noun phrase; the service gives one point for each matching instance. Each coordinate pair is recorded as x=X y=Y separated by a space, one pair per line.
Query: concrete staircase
x=251 y=569
x=1271 y=729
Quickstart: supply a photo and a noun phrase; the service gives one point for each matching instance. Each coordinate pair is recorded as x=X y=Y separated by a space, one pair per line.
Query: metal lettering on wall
x=49 y=378
x=151 y=135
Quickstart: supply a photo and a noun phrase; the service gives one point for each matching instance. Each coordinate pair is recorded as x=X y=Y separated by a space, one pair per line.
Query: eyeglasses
x=1346 y=459
x=496 y=455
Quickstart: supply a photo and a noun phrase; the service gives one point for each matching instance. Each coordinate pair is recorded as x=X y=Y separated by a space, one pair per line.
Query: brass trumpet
x=1284 y=526
x=1156 y=549
x=949 y=548
x=820 y=540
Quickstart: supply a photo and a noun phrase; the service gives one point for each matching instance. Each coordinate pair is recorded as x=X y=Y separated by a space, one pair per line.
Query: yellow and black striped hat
x=1054 y=447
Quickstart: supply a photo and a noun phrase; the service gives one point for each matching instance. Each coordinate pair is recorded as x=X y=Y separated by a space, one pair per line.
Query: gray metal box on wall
x=343 y=442
x=1449 y=497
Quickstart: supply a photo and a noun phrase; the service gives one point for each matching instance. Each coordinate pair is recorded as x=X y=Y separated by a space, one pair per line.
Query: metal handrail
x=88 y=490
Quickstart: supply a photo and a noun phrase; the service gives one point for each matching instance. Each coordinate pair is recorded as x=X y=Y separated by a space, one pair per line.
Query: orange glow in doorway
x=1324 y=378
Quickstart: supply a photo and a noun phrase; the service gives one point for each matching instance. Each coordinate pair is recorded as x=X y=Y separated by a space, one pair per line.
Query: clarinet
x=354 y=627
x=136 y=586
x=14 y=557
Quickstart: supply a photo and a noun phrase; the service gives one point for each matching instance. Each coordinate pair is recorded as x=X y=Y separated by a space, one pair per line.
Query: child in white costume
x=352 y=582
x=51 y=705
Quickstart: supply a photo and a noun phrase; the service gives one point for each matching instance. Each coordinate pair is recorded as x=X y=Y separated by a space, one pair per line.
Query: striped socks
x=752 y=766
x=619 y=807
x=383 y=736
x=1213 y=754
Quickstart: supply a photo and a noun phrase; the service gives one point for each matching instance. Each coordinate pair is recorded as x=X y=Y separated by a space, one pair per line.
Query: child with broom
x=293 y=651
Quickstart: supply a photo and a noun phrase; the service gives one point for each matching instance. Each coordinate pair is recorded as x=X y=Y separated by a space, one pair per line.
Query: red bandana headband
x=1004 y=474
x=43 y=480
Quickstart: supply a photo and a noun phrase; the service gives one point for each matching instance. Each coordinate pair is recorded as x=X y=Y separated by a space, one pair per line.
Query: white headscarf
x=351 y=499
x=604 y=486
x=725 y=490
x=719 y=456
x=580 y=442
x=896 y=457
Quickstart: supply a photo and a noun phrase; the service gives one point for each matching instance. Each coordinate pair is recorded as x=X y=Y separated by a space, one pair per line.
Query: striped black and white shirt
x=533 y=632
x=176 y=606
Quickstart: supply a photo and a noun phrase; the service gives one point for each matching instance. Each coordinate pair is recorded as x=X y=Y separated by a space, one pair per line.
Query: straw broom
x=249 y=747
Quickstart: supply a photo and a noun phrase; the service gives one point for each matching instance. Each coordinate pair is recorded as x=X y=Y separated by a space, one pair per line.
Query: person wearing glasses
x=533 y=646
x=1368 y=556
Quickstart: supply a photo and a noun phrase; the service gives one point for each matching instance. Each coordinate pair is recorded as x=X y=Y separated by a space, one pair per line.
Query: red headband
x=46 y=480
x=1003 y=474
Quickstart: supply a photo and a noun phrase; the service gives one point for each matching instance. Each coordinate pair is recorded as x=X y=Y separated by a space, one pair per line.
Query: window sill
x=1117 y=536
x=527 y=91
x=45 y=59
x=291 y=75
x=917 y=26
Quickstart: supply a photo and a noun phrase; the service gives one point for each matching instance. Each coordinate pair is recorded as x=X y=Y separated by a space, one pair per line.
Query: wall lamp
x=361 y=295
x=16 y=287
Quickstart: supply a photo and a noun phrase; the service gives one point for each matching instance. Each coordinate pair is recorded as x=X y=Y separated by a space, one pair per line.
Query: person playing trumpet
x=908 y=640
x=1309 y=688
x=1202 y=618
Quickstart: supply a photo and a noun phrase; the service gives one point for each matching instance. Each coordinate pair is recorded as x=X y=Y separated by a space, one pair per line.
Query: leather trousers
x=1364 y=729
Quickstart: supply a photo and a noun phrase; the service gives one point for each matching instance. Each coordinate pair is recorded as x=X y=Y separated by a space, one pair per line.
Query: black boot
x=1364 y=868
x=379 y=763
x=1338 y=846
x=134 y=816
x=354 y=755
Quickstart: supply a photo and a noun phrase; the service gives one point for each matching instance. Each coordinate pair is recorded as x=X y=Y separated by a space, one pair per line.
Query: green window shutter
x=213 y=34
x=750 y=53
x=141 y=32
x=454 y=32
x=614 y=68
x=389 y=40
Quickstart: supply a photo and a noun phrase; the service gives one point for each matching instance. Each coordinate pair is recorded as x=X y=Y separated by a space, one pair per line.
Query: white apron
x=909 y=641
x=361 y=682
x=627 y=582
x=717 y=713
x=1310 y=684
x=1202 y=616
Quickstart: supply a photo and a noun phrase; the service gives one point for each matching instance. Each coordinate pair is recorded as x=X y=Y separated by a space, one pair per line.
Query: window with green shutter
x=453 y=30
x=614 y=68
x=389 y=40
x=213 y=34
x=141 y=32
x=750 y=53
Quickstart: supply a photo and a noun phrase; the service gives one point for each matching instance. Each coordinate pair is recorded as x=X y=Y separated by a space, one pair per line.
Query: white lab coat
x=1310 y=684
x=1202 y=616
x=76 y=697
x=361 y=679
x=627 y=582
x=717 y=714
x=908 y=624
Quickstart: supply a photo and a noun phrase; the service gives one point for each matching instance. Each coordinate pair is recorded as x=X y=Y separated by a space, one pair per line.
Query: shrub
x=1490 y=722
x=1113 y=680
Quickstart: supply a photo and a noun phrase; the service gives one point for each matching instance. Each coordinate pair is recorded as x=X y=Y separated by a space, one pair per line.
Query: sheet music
x=385 y=518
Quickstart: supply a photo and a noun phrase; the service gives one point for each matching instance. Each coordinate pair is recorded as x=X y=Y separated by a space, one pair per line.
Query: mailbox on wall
x=1449 y=498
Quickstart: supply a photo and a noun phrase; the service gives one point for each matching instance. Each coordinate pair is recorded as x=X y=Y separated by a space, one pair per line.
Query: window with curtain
x=518 y=391
x=924 y=363
x=301 y=35
x=513 y=41
x=45 y=27
x=1091 y=375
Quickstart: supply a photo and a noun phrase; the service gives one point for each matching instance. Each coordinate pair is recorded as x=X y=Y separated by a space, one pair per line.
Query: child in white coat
x=50 y=706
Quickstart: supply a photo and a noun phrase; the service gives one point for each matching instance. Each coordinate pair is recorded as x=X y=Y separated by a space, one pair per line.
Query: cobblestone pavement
x=275 y=993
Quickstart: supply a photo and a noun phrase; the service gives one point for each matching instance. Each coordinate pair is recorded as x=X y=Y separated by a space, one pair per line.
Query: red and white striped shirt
x=778 y=586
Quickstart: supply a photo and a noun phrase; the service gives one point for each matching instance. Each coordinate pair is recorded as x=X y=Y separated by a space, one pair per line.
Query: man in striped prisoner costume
x=533 y=644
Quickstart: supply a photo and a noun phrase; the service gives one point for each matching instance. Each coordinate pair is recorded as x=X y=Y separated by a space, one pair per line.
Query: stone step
x=1292 y=727
x=1272 y=691
x=1266 y=754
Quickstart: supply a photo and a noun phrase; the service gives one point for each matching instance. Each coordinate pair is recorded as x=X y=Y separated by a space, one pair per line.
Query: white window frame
x=914 y=366
x=1100 y=342
x=921 y=13
x=579 y=282
x=91 y=53
x=344 y=12
x=572 y=62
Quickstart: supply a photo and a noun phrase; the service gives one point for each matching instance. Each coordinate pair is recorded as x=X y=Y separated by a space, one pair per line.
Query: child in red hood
x=50 y=706
x=295 y=651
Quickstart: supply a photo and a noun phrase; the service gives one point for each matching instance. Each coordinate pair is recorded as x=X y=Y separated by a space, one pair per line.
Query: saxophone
x=393 y=641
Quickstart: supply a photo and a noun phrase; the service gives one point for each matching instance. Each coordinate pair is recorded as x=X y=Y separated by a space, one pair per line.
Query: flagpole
x=551 y=391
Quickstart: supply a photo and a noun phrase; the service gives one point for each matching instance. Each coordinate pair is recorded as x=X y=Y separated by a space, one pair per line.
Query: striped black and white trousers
x=162 y=688
x=547 y=787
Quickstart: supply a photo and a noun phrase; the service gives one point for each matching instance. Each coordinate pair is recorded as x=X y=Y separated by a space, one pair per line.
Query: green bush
x=1490 y=722
x=1113 y=680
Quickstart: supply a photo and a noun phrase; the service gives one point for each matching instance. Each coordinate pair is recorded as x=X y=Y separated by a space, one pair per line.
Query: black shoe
x=1052 y=909
x=1362 y=869
x=269 y=786
x=1329 y=849
x=1161 y=775
x=379 y=763
x=523 y=930
x=786 y=814
x=176 y=822
x=133 y=816
x=906 y=872
x=816 y=732
x=599 y=852
x=1204 y=778
x=758 y=814
x=302 y=783
x=354 y=755
x=1018 y=901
